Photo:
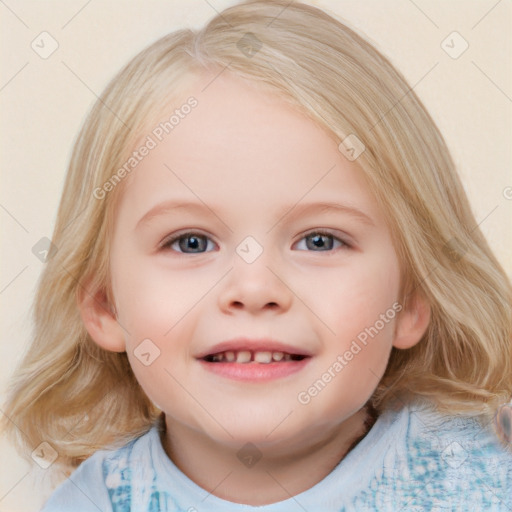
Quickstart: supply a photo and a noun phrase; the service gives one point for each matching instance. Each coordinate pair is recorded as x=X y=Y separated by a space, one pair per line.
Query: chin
x=259 y=431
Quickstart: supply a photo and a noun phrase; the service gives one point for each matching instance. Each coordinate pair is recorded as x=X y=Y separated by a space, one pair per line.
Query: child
x=269 y=291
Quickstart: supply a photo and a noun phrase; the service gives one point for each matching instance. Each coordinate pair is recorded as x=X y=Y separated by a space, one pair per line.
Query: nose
x=255 y=287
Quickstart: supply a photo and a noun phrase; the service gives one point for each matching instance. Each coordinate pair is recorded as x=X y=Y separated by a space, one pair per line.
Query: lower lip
x=256 y=372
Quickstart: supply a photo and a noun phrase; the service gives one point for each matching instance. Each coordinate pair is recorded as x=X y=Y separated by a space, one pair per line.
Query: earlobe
x=100 y=320
x=412 y=322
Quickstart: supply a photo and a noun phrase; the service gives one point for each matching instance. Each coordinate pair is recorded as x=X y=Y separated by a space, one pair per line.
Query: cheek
x=151 y=300
x=359 y=309
x=157 y=310
x=354 y=298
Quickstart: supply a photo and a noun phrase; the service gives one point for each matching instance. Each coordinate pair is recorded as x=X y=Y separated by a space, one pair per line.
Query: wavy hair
x=80 y=398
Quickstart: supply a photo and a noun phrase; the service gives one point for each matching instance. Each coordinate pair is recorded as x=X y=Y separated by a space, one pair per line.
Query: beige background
x=44 y=102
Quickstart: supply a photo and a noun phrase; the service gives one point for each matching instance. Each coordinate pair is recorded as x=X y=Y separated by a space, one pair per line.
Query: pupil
x=192 y=243
x=319 y=242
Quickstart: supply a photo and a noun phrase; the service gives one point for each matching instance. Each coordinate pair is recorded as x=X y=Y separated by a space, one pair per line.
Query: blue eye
x=194 y=242
x=322 y=241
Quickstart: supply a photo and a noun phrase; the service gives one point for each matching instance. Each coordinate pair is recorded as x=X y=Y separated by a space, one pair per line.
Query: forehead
x=241 y=145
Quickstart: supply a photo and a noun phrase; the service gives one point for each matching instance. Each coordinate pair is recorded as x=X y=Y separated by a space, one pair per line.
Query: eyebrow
x=169 y=206
x=325 y=206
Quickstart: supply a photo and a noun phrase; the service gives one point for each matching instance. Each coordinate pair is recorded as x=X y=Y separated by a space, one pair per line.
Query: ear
x=412 y=322
x=100 y=320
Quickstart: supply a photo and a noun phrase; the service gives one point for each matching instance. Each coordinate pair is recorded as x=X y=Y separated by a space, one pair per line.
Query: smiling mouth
x=249 y=356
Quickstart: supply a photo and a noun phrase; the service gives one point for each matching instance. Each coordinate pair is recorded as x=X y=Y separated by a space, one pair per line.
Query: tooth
x=217 y=357
x=244 y=356
x=263 y=357
x=287 y=357
x=230 y=356
x=277 y=356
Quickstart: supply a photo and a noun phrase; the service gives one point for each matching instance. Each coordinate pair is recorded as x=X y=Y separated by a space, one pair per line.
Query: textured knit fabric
x=412 y=459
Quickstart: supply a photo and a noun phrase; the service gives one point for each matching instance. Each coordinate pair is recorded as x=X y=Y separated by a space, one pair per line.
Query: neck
x=263 y=475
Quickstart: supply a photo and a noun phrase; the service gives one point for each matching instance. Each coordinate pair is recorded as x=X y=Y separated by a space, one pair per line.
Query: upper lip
x=253 y=345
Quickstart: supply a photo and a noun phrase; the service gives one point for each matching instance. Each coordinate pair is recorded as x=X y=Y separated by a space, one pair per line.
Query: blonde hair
x=328 y=72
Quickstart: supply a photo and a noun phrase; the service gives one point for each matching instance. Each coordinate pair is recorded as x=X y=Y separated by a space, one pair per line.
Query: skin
x=250 y=158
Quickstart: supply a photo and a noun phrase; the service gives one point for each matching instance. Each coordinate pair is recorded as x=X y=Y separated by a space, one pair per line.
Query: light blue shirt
x=413 y=459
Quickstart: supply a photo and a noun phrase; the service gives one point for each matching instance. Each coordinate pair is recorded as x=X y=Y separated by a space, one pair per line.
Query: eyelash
x=167 y=243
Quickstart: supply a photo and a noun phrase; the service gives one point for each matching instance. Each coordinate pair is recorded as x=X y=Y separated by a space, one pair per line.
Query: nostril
x=241 y=305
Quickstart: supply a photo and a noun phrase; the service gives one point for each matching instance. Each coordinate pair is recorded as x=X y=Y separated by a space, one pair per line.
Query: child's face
x=254 y=175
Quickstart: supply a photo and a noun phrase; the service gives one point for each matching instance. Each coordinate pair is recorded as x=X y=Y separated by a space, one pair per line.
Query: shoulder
x=446 y=462
x=101 y=483
x=463 y=443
